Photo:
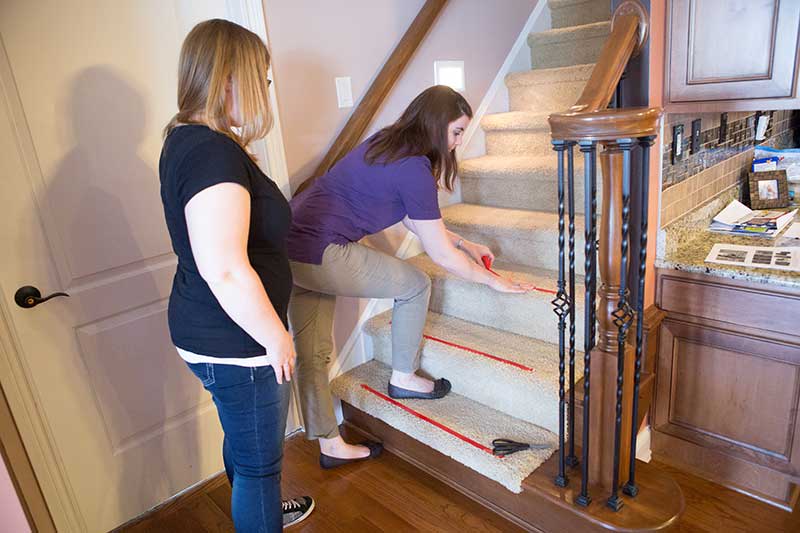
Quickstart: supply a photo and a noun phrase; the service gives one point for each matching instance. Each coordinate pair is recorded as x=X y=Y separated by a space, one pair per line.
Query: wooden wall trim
x=373 y=99
x=20 y=469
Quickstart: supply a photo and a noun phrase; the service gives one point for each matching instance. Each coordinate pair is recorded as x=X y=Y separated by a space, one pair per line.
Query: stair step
x=528 y=238
x=465 y=418
x=517 y=133
x=547 y=89
x=563 y=47
x=516 y=182
x=514 y=374
x=565 y=13
x=530 y=314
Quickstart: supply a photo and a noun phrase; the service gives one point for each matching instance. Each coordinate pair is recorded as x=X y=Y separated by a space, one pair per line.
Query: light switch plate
x=344 y=92
x=695 y=146
x=677 y=143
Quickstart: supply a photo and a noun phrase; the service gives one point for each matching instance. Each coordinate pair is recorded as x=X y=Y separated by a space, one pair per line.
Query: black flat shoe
x=440 y=389
x=327 y=462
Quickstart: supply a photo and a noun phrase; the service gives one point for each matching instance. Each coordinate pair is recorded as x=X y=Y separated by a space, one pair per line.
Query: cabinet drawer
x=762 y=308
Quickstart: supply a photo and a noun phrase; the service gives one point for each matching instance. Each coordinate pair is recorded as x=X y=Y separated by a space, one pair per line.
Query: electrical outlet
x=677 y=143
x=723 y=127
x=695 y=146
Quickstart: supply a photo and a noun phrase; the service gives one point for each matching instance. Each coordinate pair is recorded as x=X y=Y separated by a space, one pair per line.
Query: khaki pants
x=358 y=271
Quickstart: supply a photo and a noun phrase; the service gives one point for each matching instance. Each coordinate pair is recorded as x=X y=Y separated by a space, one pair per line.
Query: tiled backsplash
x=715 y=166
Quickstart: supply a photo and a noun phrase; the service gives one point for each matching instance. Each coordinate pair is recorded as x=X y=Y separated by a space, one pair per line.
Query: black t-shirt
x=194 y=158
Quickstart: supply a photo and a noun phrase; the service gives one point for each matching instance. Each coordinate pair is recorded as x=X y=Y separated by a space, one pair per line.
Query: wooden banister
x=373 y=99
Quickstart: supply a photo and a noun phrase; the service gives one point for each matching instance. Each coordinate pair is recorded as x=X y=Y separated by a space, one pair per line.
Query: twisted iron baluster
x=561 y=308
x=572 y=459
x=589 y=149
x=622 y=315
x=630 y=487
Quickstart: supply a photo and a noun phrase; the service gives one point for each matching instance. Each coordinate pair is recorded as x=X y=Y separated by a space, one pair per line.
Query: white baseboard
x=643 y=452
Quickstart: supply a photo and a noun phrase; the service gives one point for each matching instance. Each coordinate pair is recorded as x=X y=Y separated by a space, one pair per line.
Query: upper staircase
x=501 y=351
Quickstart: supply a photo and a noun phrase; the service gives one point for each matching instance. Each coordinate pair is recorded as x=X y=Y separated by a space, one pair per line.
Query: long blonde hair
x=215 y=53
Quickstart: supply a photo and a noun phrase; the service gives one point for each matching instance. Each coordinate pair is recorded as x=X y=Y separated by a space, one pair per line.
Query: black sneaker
x=296 y=510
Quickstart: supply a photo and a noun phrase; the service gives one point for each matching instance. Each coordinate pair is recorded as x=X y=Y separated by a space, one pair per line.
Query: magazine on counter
x=781 y=258
x=738 y=219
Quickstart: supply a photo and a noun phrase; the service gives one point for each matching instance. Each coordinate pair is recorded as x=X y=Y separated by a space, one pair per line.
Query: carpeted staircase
x=499 y=350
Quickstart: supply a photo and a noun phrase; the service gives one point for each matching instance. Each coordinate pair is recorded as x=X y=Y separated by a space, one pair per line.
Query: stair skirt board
x=472 y=426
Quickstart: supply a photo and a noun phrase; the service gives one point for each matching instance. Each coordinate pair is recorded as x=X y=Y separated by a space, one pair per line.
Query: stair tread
x=544 y=76
x=541 y=278
x=470 y=419
x=538 y=355
x=498 y=219
x=570 y=33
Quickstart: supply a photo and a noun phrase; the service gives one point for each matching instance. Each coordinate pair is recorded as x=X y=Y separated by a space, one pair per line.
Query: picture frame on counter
x=768 y=189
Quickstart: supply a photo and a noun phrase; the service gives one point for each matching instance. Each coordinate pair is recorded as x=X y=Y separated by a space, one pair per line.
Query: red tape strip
x=430 y=420
x=478 y=352
x=487 y=262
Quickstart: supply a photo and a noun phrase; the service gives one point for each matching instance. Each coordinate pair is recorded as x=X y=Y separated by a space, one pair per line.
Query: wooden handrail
x=588 y=119
x=373 y=99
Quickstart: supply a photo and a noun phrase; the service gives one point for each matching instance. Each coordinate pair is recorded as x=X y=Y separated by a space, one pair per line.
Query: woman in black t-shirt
x=228 y=224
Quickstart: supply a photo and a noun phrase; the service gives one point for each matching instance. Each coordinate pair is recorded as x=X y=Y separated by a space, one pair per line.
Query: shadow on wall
x=106 y=199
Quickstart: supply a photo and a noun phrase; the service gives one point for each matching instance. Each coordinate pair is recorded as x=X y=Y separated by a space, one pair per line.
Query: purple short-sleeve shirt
x=355 y=199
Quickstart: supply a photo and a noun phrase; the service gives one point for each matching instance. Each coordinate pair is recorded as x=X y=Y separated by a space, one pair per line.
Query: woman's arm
x=218 y=220
x=474 y=250
x=440 y=248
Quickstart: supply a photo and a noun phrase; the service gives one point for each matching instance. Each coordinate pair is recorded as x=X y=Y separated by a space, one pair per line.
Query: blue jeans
x=252 y=408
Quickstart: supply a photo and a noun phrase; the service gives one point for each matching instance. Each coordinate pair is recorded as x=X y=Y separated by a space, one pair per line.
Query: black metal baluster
x=561 y=308
x=593 y=254
x=622 y=315
x=572 y=459
x=589 y=149
x=630 y=487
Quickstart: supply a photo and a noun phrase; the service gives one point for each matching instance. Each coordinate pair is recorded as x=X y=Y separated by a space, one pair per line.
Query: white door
x=113 y=419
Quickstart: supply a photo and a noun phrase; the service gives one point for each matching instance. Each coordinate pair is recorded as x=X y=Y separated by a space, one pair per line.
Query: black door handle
x=28 y=296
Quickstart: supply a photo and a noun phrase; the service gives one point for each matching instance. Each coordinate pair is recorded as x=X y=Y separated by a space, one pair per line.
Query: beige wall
x=314 y=41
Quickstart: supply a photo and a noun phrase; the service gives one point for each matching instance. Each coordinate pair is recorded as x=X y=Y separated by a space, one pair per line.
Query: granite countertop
x=684 y=245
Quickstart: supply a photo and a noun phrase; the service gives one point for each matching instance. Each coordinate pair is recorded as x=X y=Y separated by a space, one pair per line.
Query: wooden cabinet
x=732 y=55
x=728 y=383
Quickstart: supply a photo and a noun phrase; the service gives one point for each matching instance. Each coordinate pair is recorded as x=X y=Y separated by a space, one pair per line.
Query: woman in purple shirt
x=393 y=176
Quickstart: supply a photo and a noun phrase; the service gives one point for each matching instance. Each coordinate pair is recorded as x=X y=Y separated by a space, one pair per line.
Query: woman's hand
x=477 y=251
x=281 y=357
x=502 y=284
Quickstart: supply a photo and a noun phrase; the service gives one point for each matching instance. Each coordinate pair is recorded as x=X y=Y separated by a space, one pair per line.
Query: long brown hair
x=422 y=130
x=217 y=52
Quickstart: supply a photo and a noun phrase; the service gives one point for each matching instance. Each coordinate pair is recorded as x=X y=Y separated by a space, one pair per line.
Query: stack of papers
x=738 y=219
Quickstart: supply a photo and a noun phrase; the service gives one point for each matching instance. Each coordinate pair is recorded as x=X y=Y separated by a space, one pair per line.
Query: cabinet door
x=732 y=49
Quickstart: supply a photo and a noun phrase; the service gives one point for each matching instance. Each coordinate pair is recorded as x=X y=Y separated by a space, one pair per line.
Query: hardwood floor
x=389 y=495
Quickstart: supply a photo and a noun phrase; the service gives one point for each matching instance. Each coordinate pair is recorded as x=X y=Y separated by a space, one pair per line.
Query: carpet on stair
x=472 y=426
x=512 y=373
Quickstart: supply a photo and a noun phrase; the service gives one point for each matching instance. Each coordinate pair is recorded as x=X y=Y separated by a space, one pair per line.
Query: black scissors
x=503 y=447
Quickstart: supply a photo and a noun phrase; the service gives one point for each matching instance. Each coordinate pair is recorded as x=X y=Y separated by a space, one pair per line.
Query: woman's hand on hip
x=281 y=357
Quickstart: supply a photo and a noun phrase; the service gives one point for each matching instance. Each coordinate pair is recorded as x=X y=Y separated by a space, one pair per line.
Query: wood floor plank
x=390 y=495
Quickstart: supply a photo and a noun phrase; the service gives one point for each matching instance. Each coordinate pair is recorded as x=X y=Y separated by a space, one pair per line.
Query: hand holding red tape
x=487 y=262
